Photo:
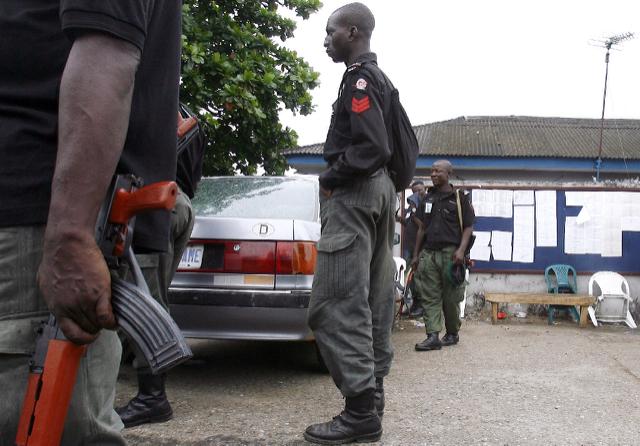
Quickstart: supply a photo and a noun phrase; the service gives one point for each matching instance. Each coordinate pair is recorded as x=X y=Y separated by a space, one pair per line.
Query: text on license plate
x=191 y=257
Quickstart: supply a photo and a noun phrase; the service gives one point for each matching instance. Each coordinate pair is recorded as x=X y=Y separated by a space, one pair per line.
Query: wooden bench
x=583 y=300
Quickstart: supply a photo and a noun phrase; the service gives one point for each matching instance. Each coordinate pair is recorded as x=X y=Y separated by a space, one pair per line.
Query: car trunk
x=246 y=253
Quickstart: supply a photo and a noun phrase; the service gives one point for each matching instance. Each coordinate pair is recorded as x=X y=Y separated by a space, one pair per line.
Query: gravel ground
x=520 y=382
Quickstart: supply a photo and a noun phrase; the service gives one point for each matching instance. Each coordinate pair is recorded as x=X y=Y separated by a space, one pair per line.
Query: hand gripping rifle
x=54 y=365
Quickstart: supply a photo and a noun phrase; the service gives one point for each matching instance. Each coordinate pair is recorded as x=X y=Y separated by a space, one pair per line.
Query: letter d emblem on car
x=263 y=229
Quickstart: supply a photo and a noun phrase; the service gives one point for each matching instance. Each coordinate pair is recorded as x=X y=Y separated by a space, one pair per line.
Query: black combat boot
x=378 y=397
x=450 y=339
x=431 y=343
x=358 y=422
x=416 y=312
x=150 y=405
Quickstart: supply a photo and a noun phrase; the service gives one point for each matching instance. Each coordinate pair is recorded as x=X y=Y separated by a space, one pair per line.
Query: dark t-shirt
x=439 y=214
x=35 y=39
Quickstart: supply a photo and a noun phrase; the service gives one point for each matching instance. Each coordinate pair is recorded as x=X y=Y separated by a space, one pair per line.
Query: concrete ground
x=520 y=382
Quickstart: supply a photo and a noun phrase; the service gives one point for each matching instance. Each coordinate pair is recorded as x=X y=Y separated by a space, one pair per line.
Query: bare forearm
x=95 y=102
x=94 y=107
x=466 y=236
x=459 y=254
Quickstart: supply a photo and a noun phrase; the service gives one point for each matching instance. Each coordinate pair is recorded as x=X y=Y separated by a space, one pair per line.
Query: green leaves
x=238 y=77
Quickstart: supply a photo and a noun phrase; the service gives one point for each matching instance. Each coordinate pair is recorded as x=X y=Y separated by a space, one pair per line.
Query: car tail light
x=296 y=258
x=254 y=257
x=249 y=257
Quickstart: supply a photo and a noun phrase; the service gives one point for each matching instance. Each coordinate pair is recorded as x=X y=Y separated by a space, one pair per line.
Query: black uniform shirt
x=439 y=214
x=411 y=228
x=357 y=142
x=35 y=39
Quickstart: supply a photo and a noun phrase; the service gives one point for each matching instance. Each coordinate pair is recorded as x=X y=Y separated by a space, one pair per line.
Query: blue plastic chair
x=561 y=279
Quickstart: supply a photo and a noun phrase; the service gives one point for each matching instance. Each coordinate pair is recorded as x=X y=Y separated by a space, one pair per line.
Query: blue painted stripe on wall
x=548 y=164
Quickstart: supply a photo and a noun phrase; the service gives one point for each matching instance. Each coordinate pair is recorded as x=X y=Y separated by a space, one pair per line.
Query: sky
x=486 y=58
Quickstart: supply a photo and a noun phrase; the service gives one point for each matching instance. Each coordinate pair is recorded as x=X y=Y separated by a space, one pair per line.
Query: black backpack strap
x=379 y=75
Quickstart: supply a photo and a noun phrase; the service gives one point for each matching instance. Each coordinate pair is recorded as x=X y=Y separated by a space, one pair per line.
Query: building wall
x=556 y=174
x=480 y=283
x=508 y=283
x=474 y=170
x=515 y=176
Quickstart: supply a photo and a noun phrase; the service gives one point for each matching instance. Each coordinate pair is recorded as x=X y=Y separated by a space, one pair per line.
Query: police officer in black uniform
x=351 y=308
x=409 y=242
x=442 y=240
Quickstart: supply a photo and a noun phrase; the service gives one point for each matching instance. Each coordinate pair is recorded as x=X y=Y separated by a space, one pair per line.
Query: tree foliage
x=237 y=74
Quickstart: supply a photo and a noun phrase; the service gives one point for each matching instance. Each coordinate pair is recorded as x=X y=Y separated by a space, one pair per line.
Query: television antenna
x=608 y=44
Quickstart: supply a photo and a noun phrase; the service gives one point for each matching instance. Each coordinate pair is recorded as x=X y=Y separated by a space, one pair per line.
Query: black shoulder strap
x=368 y=66
x=365 y=66
x=386 y=88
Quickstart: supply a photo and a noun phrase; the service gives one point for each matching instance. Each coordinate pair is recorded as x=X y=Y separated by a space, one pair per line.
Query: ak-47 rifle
x=54 y=365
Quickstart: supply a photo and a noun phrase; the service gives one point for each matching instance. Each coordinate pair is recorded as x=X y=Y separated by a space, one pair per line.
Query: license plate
x=191 y=257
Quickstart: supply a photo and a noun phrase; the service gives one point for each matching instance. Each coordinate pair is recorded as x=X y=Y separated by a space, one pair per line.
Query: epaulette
x=353 y=66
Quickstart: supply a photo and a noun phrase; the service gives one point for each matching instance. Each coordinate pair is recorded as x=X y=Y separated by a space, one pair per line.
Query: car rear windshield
x=257 y=197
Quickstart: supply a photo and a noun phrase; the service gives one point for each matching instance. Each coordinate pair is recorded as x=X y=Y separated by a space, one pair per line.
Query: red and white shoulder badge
x=361 y=84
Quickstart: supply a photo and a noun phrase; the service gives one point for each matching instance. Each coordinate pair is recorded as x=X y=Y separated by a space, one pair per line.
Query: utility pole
x=611 y=41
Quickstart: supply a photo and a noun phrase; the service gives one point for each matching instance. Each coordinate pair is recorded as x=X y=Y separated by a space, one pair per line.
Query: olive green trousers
x=352 y=299
x=436 y=294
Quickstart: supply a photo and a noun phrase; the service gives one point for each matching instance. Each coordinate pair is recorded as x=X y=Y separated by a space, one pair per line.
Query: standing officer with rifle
x=87 y=89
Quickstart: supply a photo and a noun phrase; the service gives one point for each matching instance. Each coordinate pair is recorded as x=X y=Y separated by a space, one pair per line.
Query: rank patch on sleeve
x=360 y=105
x=361 y=84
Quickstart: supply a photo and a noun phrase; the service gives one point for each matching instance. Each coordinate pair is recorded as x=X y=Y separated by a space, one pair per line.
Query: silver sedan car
x=247 y=270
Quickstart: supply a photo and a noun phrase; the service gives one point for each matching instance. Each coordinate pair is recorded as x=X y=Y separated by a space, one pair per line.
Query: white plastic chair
x=612 y=304
x=401 y=266
x=400 y=283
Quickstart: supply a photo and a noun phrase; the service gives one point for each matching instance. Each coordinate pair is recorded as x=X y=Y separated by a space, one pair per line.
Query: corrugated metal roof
x=521 y=137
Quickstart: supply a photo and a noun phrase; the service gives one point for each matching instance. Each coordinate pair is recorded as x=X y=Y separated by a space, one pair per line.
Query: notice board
x=527 y=229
